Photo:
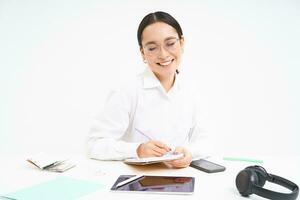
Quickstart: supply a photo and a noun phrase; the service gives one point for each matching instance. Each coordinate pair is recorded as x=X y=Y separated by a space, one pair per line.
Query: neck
x=167 y=82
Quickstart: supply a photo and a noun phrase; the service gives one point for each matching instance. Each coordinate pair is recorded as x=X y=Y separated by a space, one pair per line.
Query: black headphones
x=252 y=179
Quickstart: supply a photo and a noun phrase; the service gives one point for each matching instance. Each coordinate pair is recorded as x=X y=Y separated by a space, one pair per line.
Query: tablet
x=156 y=184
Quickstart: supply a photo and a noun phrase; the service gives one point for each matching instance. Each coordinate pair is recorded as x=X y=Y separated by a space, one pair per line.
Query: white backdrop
x=58 y=60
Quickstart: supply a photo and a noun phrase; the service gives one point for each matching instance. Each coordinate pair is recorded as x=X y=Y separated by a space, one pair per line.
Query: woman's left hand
x=182 y=162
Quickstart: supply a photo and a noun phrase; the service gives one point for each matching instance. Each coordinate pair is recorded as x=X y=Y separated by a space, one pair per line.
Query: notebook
x=151 y=160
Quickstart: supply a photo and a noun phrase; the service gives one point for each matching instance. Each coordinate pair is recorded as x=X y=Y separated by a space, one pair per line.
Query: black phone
x=207 y=166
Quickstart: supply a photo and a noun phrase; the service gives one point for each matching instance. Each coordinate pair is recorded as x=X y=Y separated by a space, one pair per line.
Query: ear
x=142 y=53
x=182 y=43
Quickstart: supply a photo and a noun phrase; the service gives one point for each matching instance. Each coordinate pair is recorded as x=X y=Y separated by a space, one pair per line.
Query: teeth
x=165 y=63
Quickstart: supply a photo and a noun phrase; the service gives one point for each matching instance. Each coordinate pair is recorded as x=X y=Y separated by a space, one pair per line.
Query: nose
x=163 y=53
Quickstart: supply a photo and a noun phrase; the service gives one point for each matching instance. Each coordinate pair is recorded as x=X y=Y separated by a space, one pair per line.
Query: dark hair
x=158 y=16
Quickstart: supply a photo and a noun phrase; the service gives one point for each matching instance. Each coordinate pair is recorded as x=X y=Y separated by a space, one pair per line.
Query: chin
x=166 y=73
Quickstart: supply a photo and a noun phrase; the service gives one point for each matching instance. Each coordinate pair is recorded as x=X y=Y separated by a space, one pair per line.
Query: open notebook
x=151 y=160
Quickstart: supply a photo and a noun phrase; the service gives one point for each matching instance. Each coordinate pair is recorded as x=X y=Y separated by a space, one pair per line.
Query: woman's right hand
x=152 y=148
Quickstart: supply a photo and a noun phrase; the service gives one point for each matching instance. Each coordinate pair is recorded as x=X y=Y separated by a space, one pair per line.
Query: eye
x=169 y=44
x=151 y=48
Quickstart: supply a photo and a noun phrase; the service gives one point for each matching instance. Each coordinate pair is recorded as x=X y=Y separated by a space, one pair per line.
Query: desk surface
x=16 y=173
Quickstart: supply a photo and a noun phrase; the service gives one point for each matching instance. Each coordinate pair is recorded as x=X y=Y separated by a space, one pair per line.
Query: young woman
x=157 y=112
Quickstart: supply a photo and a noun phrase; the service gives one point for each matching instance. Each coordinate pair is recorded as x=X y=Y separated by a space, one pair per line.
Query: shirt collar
x=151 y=81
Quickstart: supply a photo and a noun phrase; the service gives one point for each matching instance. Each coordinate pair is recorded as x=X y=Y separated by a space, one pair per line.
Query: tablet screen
x=157 y=184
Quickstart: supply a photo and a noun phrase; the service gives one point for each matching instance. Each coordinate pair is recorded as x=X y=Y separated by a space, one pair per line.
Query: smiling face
x=162 y=49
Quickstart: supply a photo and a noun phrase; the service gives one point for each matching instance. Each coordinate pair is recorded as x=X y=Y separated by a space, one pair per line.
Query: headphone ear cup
x=261 y=173
x=245 y=180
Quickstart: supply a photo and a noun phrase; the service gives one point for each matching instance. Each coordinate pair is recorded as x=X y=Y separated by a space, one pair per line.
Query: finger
x=155 y=153
x=183 y=162
x=159 y=150
x=179 y=150
x=180 y=163
x=147 y=150
x=161 y=145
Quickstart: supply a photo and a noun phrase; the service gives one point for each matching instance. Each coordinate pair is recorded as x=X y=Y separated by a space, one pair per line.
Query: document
x=151 y=160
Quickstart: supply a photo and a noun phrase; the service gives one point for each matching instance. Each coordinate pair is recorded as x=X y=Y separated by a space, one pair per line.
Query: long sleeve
x=106 y=137
x=199 y=143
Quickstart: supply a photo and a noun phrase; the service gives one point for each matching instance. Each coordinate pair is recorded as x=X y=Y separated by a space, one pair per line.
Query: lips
x=165 y=63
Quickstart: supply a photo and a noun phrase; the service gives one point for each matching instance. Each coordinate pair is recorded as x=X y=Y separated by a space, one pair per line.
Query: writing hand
x=185 y=161
x=152 y=148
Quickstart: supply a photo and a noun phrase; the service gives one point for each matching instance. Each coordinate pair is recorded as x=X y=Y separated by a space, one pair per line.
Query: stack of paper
x=51 y=163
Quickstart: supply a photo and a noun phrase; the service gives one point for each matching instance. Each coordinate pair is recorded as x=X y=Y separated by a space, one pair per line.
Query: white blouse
x=143 y=110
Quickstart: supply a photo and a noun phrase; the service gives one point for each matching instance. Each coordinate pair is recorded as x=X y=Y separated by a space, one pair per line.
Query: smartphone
x=207 y=166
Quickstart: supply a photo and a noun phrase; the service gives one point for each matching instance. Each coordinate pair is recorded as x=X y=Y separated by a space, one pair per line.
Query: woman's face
x=162 y=49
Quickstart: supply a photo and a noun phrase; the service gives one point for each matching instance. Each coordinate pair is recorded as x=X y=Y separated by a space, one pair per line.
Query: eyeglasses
x=153 y=49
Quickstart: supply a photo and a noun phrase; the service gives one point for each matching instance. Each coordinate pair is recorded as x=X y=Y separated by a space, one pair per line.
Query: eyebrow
x=153 y=42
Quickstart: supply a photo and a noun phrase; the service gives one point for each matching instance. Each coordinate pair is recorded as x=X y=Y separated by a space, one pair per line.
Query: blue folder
x=64 y=188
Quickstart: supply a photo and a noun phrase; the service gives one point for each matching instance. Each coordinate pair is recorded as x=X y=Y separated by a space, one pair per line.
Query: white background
x=58 y=60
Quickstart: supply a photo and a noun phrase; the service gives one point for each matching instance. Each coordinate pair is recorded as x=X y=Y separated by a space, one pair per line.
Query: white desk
x=16 y=173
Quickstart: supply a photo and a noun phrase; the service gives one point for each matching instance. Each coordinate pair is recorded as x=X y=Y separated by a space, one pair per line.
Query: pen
x=129 y=180
x=143 y=134
x=4 y=197
x=243 y=159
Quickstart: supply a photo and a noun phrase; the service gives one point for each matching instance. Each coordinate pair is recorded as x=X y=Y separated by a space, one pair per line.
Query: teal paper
x=61 y=188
